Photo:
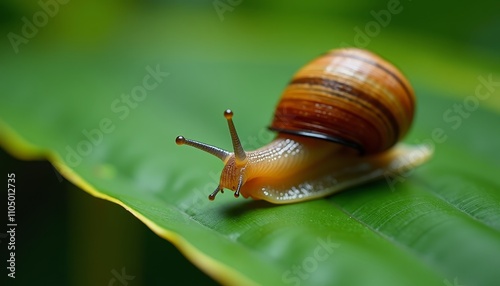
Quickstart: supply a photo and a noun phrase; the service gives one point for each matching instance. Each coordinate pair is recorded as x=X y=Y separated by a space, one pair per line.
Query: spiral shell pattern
x=348 y=96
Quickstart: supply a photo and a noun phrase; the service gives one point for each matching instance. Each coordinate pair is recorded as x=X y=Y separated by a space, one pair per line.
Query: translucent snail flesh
x=338 y=121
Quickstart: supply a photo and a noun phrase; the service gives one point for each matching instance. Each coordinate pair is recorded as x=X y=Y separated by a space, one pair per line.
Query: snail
x=338 y=125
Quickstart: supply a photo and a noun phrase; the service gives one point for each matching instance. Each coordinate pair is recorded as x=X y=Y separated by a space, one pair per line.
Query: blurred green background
x=69 y=238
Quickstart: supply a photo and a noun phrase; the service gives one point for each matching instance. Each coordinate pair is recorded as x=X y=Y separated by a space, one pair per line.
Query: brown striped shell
x=349 y=96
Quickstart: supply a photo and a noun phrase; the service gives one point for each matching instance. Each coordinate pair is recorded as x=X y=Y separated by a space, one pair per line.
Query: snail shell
x=343 y=101
x=349 y=96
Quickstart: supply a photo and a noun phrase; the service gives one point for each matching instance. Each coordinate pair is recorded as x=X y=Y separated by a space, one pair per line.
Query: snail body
x=338 y=121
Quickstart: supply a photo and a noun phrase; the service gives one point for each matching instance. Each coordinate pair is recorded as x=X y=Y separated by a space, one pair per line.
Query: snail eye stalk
x=216 y=151
x=239 y=153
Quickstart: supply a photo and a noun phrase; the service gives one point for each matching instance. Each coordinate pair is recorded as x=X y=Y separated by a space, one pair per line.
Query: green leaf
x=437 y=225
